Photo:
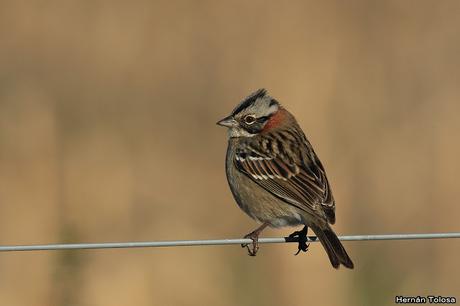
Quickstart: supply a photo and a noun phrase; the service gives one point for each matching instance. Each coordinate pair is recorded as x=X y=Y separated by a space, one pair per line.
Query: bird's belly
x=258 y=203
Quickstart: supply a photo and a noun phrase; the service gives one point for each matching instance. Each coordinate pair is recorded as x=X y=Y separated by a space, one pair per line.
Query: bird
x=276 y=177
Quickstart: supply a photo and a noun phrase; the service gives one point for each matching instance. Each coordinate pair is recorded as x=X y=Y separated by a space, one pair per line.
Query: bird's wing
x=296 y=177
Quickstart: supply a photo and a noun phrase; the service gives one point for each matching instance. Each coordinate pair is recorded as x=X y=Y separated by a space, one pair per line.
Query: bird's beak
x=228 y=122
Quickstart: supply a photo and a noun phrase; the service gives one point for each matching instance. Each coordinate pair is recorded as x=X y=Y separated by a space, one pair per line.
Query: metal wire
x=177 y=243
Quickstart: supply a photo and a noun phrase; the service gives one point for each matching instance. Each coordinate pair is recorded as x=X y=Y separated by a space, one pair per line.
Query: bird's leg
x=302 y=237
x=254 y=236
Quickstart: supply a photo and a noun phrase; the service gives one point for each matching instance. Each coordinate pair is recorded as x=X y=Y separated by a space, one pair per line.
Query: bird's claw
x=255 y=243
x=302 y=239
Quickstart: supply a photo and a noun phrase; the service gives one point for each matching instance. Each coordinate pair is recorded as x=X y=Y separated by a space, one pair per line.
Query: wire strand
x=177 y=243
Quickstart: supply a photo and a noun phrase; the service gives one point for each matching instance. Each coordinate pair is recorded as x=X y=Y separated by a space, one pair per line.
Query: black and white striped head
x=252 y=115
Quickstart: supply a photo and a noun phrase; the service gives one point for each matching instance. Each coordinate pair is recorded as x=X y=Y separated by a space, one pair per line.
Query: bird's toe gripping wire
x=254 y=236
x=301 y=237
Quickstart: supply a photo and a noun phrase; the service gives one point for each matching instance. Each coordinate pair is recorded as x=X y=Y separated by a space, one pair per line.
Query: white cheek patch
x=239 y=132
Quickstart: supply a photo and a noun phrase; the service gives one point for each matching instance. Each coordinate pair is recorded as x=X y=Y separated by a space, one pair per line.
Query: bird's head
x=255 y=114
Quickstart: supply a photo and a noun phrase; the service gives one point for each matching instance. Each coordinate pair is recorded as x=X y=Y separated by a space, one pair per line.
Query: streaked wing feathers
x=291 y=176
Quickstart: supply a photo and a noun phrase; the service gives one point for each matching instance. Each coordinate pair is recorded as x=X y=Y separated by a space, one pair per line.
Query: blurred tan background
x=107 y=133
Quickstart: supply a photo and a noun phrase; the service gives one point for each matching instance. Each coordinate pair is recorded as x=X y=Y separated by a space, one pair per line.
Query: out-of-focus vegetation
x=107 y=112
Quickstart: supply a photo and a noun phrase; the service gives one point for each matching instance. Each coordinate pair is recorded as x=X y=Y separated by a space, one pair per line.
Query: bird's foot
x=302 y=238
x=254 y=246
x=254 y=236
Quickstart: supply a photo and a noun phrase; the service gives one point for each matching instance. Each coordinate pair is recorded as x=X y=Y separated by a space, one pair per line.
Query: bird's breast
x=254 y=200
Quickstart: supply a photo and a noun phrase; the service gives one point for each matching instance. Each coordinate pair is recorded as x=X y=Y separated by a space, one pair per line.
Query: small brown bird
x=276 y=177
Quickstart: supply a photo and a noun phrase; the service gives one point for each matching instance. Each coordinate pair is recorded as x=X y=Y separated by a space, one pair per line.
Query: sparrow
x=276 y=177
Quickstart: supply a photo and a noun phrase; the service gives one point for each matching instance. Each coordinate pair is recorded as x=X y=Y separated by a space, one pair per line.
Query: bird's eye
x=249 y=119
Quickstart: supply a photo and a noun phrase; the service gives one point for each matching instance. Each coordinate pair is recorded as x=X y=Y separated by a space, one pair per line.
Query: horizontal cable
x=176 y=243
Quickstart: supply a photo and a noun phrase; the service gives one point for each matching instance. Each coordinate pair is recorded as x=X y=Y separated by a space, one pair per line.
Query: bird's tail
x=333 y=246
